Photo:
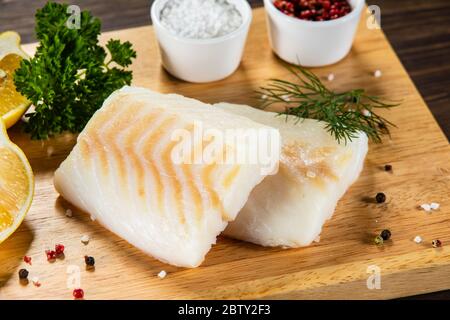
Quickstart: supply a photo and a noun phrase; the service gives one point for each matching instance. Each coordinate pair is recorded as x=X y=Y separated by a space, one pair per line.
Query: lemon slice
x=16 y=185
x=12 y=104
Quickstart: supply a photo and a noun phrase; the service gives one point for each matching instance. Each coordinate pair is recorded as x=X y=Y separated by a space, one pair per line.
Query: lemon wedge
x=12 y=104
x=10 y=43
x=16 y=185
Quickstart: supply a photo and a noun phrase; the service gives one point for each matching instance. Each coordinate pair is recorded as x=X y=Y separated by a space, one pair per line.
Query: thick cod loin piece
x=122 y=172
x=289 y=209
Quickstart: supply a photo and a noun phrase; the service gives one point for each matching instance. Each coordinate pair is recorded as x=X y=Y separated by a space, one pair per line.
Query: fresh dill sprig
x=345 y=113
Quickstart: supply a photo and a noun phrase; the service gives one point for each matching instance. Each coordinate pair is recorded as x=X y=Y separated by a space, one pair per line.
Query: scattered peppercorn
x=378 y=240
x=51 y=255
x=385 y=234
x=78 y=293
x=314 y=10
x=90 y=261
x=436 y=243
x=380 y=197
x=388 y=167
x=27 y=259
x=59 y=249
x=23 y=274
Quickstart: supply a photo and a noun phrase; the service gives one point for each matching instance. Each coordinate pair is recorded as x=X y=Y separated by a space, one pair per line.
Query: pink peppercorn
x=314 y=10
x=78 y=293
x=59 y=249
x=51 y=255
x=27 y=259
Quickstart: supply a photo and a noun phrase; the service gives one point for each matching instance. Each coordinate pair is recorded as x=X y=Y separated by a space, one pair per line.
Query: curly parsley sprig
x=345 y=113
x=68 y=79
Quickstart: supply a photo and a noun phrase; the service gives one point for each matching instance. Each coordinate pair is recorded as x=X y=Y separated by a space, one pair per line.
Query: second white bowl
x=312 y=43
x=201 y=60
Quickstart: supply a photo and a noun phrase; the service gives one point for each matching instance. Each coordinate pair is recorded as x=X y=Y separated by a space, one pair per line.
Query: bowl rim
x=242 y=28
x=356 y=10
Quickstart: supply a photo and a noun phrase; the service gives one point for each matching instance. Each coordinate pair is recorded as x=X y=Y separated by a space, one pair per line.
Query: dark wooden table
x=419 y=31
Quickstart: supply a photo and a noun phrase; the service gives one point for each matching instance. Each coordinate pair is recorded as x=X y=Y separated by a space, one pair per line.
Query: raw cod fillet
x=121 y=172
x=289 y=209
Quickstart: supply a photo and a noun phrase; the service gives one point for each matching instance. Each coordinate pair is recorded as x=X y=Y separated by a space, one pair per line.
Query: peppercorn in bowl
x=312 y=33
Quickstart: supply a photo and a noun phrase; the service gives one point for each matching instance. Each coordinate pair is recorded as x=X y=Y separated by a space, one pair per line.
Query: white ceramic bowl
x=201 y=60
x=312 y=43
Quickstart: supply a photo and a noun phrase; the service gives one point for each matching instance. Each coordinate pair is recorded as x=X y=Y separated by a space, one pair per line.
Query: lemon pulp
x=14 y=187
x=12 y=103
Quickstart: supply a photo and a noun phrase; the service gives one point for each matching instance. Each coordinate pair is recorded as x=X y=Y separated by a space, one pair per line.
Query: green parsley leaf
x=68 y=79
x=121 y=53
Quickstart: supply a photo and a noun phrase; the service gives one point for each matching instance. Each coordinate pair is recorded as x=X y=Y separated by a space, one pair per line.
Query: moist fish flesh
x=122 y=172
x=289 y=209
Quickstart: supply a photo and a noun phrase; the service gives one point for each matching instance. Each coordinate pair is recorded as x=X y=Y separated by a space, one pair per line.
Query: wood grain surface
x=419 y=31
x=336 y=267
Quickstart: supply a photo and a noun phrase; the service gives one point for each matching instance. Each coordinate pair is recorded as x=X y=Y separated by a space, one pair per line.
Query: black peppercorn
x=380 y=197
x=436 y=243
x=90 y=261
x=385 y=234
x=388 y=167
x=23 y=274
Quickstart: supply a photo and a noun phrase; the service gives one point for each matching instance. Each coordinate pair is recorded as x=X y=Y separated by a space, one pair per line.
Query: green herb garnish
x=345 y=113
x=69 y=77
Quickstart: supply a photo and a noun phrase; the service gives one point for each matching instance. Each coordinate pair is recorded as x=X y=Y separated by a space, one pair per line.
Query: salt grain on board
x=162 y=274
x=36 y=282
x=418 y=239
x=69 y=213
x=434 y=205
x=366 y=113
x=85 y=239
x=50 y=151
x=310 y=174
x=426 y=207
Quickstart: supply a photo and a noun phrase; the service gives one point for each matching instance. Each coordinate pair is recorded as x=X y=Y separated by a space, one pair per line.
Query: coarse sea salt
x=200 y=19
x=366 y=113
x=85 y=239
x=36 y=281
x=418 y=239
x=69 y=213
x=429 y=207
x=162 y=274
x=434 y=205
x=310 y=174
x=50 y=151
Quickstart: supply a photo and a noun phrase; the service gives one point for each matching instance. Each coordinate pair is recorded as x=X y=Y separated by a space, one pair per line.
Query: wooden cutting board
x=339 y=266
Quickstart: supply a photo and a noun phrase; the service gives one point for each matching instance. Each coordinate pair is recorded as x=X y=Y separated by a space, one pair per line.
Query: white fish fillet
x=121 y=172
x=289 y=209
